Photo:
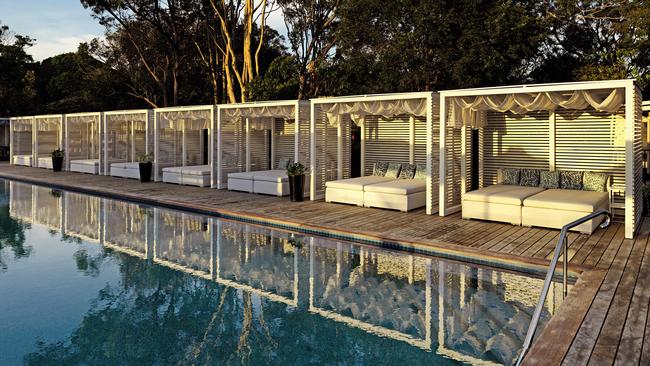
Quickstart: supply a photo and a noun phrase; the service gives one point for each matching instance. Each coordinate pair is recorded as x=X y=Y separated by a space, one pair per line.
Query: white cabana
x=582 y=126
x=48 y=136
x=258 y=139
x=182 y=154
x=21 y=144
x=126 y=137
x=394 y=128
x=83 y=142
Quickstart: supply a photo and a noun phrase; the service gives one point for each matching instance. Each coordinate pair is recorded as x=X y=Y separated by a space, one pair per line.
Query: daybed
x=125 y=170
x=195 y=175
x=272 y=182
x=90 y=166
x=541 y=204
x=25 y=160
x=45 y=162
x=400 y=190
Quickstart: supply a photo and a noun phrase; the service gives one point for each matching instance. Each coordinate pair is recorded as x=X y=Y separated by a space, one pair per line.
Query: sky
x=60 y=25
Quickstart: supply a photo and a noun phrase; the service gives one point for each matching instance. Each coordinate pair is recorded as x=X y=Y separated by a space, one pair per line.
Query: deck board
x=605 y=320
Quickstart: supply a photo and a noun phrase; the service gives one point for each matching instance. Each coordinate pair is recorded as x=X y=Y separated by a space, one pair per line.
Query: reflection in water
x=12 y=231
x=219 y=291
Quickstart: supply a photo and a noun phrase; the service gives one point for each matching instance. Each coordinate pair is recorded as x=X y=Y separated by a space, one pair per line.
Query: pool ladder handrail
x=563 y=242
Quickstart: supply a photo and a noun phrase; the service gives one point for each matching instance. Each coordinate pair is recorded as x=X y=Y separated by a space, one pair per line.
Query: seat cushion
x=278 y=176
x=568 y=199
x=502 y=193
x=189 y=170
x=242 y=175
x=134 y=166
x=356 y=184
x=400 y=186
x=88 y=162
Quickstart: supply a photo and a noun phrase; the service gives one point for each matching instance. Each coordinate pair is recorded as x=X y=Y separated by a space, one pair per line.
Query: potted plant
x=145 y=168
x=296 y=173
x=57 y=160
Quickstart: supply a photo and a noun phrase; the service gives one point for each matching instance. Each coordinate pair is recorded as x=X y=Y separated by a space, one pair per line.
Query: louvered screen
x=346 y=132
x=233 y=147
x=514 y=141
x=194 y=144
x=117 y=137
x=638 y=158
x=22 y=136
x=326 y=151
x=305 y=134
x=260 y=158
x=284 y=140
x=454 y=160
x=170 y=149
x=83 y=137
x=386 y=139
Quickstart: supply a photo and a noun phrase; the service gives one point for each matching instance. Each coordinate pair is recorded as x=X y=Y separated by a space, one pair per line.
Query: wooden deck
x=603 y=321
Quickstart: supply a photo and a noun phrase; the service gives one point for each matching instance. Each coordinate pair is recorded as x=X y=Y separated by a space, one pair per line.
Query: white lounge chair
x=24 y=160
x=272 y=182
x=399 y=194
x=499 y=202
x=126 y=170
x=45 y=162
x=351 y=190
x=241 y=181
x=555 y=208
x=90 y=166
x=195 y=175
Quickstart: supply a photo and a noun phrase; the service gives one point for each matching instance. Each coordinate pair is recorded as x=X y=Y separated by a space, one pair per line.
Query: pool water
x=88 y=280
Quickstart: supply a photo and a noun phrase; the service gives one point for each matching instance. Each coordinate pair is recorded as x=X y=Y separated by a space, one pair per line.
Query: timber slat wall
x=603 y=320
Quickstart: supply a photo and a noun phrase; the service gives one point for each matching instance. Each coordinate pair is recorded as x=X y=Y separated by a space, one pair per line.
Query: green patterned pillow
x=510 y=176
x=549 y=180
x=379 y=168
x=393 y=170
x=596 y=182
x=529 y=178
x=421 y=171
x=407 y=171
x=570 y=180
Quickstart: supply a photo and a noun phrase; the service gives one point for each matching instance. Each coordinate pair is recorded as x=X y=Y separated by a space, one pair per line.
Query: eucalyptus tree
x=17 y=75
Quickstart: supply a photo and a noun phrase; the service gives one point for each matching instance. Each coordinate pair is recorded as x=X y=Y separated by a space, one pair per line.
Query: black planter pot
x=145 y=172
x=57 y=163
x=297 y=188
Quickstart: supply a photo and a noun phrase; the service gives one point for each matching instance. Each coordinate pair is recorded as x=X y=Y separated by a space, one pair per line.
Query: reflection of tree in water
x=160 y=316
x=12 y=236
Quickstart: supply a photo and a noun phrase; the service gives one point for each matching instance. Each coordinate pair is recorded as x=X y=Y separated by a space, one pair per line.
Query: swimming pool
x=86 y=280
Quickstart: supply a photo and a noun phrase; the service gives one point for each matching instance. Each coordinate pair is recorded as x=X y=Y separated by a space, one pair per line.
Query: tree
x=17 y=90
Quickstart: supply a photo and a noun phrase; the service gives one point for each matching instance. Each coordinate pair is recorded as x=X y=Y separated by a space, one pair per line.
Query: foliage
x=145 y=158
x=279 y=82
x=16 y=73
x=58 y=153
x=295 y=169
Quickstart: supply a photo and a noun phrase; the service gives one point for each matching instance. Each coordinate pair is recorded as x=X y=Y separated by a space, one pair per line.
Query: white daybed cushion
x=356 y=184
x=277 y=176
x=273 y=182
x=126 y=170
x=45 y=162
x=502 y=193
x=85 y=166
x=398 y=186
x=241 y=181
x=25 y=160
x=568 y=200
x=195 y=175
x=242 y=175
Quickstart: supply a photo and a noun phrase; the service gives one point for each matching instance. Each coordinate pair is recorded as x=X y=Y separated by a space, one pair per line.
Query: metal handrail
x=562 y=243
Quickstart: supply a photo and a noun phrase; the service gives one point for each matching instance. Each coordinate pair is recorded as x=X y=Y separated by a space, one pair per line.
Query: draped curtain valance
x=48 y=124
x=138 y=119
x=82 y=119
x=185 y=120
x=471 y=111
x=21 y=124
x=385 y=108
x=263 y=116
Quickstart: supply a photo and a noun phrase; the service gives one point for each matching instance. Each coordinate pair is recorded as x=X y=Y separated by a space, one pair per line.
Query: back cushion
x=570 y=180
x=421 y=171
x=379 y=168
x=510 y=176
x=596 y=182
x=529 y=178
x=407 y=171
x=393 y=170
x=549 y=180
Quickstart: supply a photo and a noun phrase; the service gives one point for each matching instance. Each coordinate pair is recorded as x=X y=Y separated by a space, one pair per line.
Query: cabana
x=82 y=142
x=255 y=143
x=373 y=138
x=181 y=145
x=21 y=137
x=83 y=216
x=48 y=136
x=126 y=137
x=5 y=138
x=583 y=129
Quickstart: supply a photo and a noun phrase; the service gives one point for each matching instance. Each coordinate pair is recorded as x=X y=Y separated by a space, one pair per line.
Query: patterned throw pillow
x=420 y=171
x=596 y=182
x=529 y=178
x=570 y=180
x=393 y=170
x=549 y=180
x=284 y=163
x=407 y=171
x=379 y=168
x=510 y=176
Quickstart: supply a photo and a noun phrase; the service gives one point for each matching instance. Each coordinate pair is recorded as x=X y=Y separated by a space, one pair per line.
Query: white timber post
x=362 y=148
x=412 y=139
x=156 y=147
x=630 y=173
x=11 y=141
x=339 y=150
x=219 y=152
x=272 y=165
x=551 y=141
x=312 y=154
x=183 y=144
x=211 y=162
x=296 y=139
x=430 y=155
x=132 y=139
x=34 y=143
x=463 y=161
x=104 y=134
x=443 y=157
x=66 y=145
x=247 y=129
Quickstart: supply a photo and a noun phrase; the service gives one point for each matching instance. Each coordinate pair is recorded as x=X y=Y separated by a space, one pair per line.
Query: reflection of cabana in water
x=21 y=205
x=21 y=140
x=256 y=141
x=584 y=127
x=83 y=142
x=128 y=226
x=395 y=129
x=48 y=207
x=181 y=145
x=126 y=137
x=48 y=136
x=83 y=218
x=183 y=239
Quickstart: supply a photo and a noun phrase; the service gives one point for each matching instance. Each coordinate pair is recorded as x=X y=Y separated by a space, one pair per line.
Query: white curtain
x=21 y=124
x=471 y=111
x=385 y=108
x=262 y=117
x=138 y=119
x=193 y=119
x=83 y=119
x=48 y=123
